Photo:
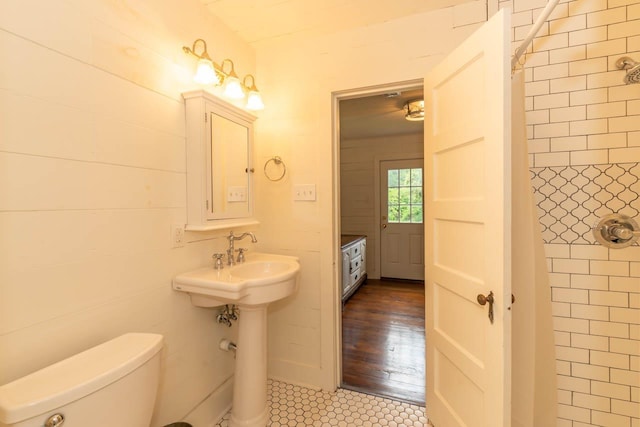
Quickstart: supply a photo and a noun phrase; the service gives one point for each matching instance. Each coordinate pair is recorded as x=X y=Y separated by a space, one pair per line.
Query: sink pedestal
x=249 y=408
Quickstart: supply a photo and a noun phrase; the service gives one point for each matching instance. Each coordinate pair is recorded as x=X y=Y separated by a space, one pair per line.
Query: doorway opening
x=382 y=346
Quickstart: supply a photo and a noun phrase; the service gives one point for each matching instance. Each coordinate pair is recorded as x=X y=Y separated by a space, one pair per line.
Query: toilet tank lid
x=76 y=377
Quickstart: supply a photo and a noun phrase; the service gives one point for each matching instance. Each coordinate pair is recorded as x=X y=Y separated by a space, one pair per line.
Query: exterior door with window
x=401 y=212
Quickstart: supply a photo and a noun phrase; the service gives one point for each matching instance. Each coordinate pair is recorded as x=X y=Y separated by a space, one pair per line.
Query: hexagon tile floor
x=299 y=406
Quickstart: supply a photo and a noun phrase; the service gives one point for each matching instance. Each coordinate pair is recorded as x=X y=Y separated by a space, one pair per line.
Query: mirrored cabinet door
x=219 y=169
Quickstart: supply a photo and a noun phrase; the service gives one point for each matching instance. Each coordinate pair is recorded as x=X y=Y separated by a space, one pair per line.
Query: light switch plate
x=306 y=192
x=237 y=194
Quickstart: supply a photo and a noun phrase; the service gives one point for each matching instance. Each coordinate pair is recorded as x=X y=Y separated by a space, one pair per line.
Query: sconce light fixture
x=210 y=73
x=414 y=110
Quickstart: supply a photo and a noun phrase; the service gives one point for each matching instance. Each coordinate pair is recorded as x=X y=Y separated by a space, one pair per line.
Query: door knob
x=483 y=300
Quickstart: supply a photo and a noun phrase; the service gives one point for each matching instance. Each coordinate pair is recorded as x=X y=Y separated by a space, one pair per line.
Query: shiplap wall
x=580 y=113
x=92 y=154
x=359 y=159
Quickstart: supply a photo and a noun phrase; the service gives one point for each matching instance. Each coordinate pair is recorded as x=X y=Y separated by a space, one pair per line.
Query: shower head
x=632 y=67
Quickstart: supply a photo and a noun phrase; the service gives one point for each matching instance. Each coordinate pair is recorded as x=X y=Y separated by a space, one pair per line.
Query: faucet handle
x=241 y=252
x=219 y=265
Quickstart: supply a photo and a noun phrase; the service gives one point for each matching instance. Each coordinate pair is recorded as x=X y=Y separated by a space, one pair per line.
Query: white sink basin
x=262 y=279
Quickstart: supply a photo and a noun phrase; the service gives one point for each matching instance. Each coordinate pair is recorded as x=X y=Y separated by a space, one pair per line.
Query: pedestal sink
x=252 y=285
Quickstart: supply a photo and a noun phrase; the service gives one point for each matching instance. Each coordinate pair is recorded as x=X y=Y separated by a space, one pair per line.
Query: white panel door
x=402 y=227
x=467 y=231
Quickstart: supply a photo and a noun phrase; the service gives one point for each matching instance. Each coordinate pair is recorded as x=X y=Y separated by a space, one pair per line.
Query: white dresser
x=354 y=263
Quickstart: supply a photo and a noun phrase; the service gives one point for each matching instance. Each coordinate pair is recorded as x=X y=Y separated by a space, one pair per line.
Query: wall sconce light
x=414 y=110
x=210 y=73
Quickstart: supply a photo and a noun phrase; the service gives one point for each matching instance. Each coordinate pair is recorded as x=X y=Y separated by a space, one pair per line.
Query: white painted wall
x=92 y=154
x=298 y=78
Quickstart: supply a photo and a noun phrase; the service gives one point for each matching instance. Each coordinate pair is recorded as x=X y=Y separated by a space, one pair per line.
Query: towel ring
x=277 y=161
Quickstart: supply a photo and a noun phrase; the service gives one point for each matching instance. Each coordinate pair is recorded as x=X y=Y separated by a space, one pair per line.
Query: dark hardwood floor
x=383 y=340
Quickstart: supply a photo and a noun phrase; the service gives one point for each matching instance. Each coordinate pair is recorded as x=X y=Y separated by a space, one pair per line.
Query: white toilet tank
x=111 y=385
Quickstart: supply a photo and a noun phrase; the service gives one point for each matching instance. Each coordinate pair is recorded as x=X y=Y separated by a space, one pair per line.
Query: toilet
x=111 y=385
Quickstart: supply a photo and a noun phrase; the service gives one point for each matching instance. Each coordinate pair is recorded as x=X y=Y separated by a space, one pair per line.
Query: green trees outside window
x=404 y=198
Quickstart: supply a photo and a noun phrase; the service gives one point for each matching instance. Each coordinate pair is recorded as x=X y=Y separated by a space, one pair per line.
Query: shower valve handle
x=483 y=300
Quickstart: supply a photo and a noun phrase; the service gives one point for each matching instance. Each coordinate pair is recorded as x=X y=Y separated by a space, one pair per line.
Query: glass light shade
x=254 y=101
x=205 y=73
x=414 y=110
x=233 y=88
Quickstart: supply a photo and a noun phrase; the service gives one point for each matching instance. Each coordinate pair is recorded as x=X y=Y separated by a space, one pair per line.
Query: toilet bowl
x=112 y=384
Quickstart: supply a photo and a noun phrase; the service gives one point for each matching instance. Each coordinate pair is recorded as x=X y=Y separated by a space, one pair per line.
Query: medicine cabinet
x=219 y=169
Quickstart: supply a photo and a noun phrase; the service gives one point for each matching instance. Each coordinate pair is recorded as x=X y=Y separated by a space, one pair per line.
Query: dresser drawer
x=356 y=263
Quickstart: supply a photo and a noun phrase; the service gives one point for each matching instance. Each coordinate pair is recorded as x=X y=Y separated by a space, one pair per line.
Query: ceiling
x=267 y=20
x=260 y=20
x=378 y=115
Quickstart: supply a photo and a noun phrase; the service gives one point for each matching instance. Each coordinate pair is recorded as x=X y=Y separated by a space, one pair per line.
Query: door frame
x=378 y=186
x=331 y=341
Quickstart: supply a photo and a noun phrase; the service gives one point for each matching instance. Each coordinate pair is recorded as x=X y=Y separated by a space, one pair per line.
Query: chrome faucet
x=232 y=238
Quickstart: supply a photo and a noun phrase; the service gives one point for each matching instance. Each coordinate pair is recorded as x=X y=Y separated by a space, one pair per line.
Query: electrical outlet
x=177 y=235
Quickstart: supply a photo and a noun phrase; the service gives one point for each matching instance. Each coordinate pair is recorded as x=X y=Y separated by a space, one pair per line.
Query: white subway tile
x=592 y=402
x=538 y=59
x=610 y=109
x=633 y=139
x=588 y=66
x=590 y=157
x=634 y=300
x=626 y=408
x=634 y=334
x=566 y=25
x=564 y=324
x=606 y=48
x=624 y=124
x=624 y=155
x=537 y=88
x=624 y=29
x=570 y=354
x=548 y=72
x=567 y=114
x=616 y=391
x=631 y=253
x=589 y=282
x=624 y=284
x=560 y=280
x=607 y=79
x=623 y=92
x=574 y=413
x=568 y=84
x=522 y=5
x=585 y=6
x=592 y=312
x=557 y=100
x=613 y=360
x=590 y=96
x=521 y=18
x=590 y=35
x=607 y=140
x=588 y=127
x=635 y=396
x=571 y=266
x=562 y=309
x=623 y=376
x=626 y=315
x=581 y=385
x=619 y=345
x=564 y=396
x=589 y=252
x=633 y=107
x=607 y=298
x=570 y=295
x=633 y=11
x=633 y=44
x=553 y=41
x=607 y=419
x=591 y=342
x=537 y=117
x=569 y=143
x=551 y=130
x=618 y=3
x=606 y=17
x=609 y=329
x=540 y=145
x=610 y=268
x=557 y=250
x=635 y=269
x=562 y=338
x=635 y=365
x=568 y=54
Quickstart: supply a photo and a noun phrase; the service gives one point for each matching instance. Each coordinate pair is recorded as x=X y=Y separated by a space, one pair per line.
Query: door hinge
x=207 y=205
x=205 y=117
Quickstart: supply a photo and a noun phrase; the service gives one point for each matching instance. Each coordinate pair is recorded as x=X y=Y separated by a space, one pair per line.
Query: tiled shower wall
x=584 y=139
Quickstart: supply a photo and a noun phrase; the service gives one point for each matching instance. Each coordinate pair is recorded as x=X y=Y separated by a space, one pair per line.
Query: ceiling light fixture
x=210 y=73
x=414 y=110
